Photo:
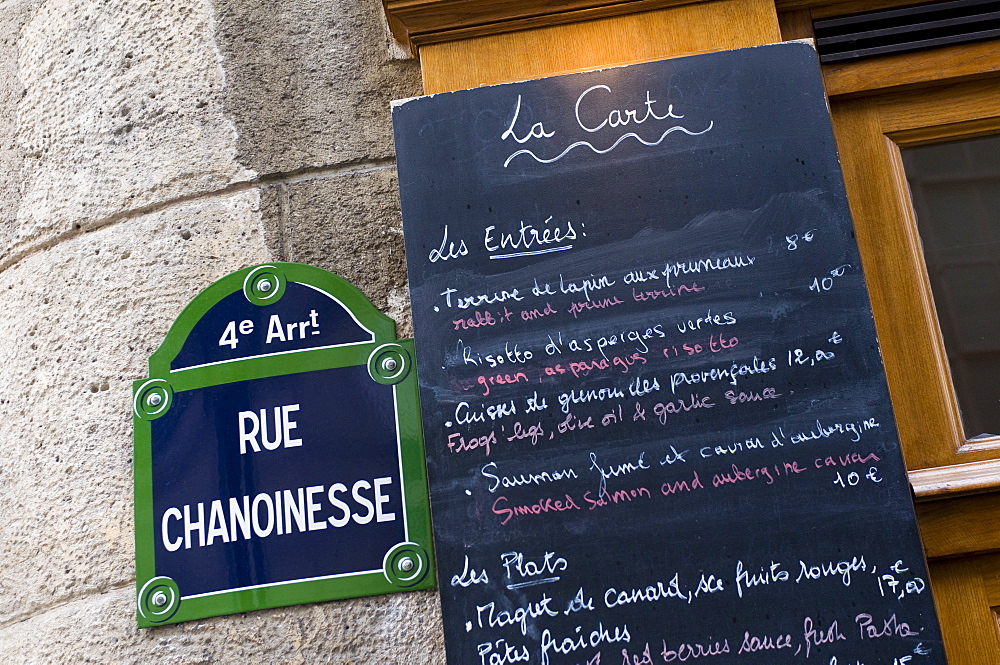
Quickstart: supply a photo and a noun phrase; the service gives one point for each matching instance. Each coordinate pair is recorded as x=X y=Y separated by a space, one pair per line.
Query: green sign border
x=407 y=567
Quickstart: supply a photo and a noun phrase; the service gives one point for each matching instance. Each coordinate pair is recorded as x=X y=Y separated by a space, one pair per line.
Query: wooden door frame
x=878 y=104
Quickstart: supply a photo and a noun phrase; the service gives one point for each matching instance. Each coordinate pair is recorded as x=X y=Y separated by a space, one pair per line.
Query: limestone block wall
x=147 y=148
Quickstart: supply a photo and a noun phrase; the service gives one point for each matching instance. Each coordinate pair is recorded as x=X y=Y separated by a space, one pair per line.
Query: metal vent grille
x=906 y=29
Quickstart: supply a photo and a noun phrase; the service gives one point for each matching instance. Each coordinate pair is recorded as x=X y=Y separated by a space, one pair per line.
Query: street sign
x=278 y=452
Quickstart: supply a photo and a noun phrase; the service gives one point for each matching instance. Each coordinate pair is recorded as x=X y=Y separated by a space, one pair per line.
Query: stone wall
x=150 y=147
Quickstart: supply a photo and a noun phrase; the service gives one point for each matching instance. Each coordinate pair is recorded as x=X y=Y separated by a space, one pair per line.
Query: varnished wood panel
x=956 y=480
x=961 y=526
x=909 y=69
x=608 y=42
x=828 y=8
x=965 y=594
x=795 y=24
x=940 y=106
x=418 y=22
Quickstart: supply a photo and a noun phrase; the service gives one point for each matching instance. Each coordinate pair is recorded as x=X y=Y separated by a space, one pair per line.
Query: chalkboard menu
x=656 y=417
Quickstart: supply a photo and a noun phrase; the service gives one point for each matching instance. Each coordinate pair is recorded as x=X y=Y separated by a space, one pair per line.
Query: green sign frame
x=408 y=566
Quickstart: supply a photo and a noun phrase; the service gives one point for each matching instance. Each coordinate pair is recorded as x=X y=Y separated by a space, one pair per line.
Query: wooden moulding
x=960 y=526
x=606 y=42
x=831 y=8
x=871 y=131
x=419 y=22
x=905 y=70
x=967 y=593
x=955 y=480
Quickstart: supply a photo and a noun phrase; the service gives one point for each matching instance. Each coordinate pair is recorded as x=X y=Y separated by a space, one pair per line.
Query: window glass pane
x=956 y=195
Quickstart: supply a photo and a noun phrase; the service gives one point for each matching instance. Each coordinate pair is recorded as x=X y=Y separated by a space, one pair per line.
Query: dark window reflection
x=956 y=195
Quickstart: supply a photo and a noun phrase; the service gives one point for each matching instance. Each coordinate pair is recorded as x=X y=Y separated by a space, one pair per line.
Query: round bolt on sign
x=278 y=452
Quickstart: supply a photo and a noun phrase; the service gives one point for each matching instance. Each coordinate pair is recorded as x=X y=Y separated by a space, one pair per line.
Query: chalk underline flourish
x=675 y=128
x=533 y=252
x=521 y=585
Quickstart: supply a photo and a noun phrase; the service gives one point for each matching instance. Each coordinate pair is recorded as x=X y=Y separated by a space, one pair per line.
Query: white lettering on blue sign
x=275 y=514
x=229 y=337
x=277 y=330
x=282 y=426
x=289 y=332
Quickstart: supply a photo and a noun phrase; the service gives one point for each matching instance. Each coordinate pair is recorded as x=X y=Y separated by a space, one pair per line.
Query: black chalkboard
x=657 y=423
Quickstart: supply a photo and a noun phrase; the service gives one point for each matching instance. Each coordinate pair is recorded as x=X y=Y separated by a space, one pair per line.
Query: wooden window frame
x=871 y=130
